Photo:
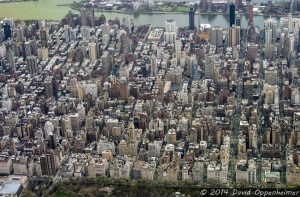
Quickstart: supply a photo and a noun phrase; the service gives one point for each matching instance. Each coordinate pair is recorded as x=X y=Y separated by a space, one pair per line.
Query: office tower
x=252 y=52
x=34 y=47
x=191 y=19
x=42 y=53
x=48 y=86
x=209 y=6
x=87 y=17
x=128 y=24
x=106 y=61
x=85 y=33
x=216 y=36
x=296 y=5
x=209 y=66
x=194 y=68
x=234 y=36
x=32 y=64
x=231 y=14
x=7 y=31
x=44 y=165
x=268 y=36
x=11 y=58
x=171 y=31
x=250 y=14
x=238 y=3
x=178 y=45
x=271 y=23
x=69 y=33
x=93 y=51
x=2 y=36
x=20 y=34
x=238 y=20
x=2 y=50
x=44 y=37
x=153 y=69
x=124 y=88
x=248 y=90
x=27 y=49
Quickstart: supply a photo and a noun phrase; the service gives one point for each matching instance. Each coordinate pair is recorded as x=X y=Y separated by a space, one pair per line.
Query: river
x=48 y=9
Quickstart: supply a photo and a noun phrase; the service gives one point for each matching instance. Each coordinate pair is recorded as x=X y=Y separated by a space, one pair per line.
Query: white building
x=171 y=32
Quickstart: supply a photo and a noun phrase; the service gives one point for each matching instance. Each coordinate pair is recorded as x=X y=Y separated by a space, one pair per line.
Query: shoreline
x=158 y=13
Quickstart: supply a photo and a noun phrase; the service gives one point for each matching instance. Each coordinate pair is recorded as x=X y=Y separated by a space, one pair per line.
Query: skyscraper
x=128 y=24
x=191 y=19
x=234 y=36
x=87 y=17
x=32 y=64
x=250 y=14
x=93 y=51
x=11 y=58
x=237 y=4
x=216 y=36
x=7 y=31
x=85 y=33
x=124 y=89
x=231 y=14
x=44 y=37
x=171 y=31
x=238 y=20
x=153 y=66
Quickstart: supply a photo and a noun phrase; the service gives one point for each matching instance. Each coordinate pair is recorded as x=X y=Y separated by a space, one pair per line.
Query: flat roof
x=11 y=187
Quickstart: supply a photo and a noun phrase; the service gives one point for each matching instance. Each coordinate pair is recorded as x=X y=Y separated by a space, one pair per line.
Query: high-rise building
x=69 y=33
x=20 y=34
x=209 y=66
x=32 y=64
x=2 y=50
x=234 y=36
x=271 y=23
x=124 y=88
x=178 y=45
x=248 y=90
x=27 y=49
x=238 y=20
x=48 y=86
x=191 y=19
x=93 y=51
x=87 y=17
x=171 y=31
x=238 y=4
x=250 y=14
x=194 y=68
x=7 y=31
x=153 y=66
x=85 y=33
x=44 y=37
x=268 y=36
x=216 y=36
x=231 y=14
x=296 y=5
x=11 y=58
x=128 y=24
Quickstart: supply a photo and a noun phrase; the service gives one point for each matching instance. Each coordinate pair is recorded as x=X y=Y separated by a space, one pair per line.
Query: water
x=48 y=9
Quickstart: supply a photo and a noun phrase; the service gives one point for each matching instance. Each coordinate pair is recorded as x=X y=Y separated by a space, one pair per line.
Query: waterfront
x=48 y=9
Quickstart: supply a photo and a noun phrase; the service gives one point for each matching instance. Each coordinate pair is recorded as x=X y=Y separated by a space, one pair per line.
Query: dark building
x=44 y=37
x=87 y=17
x=44 y=165
x=7 y=31
x=191 y=19
x=231 y=14
x=238 y=20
